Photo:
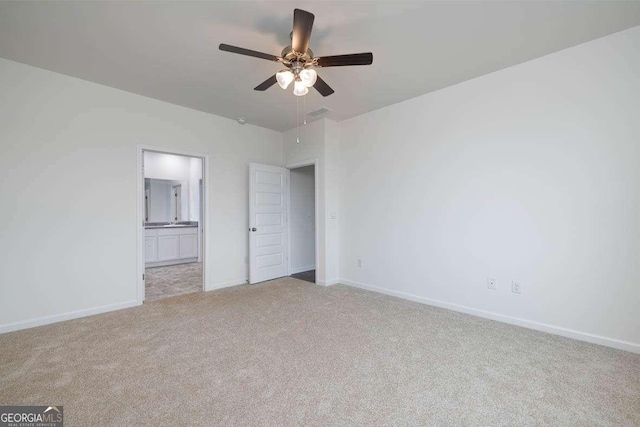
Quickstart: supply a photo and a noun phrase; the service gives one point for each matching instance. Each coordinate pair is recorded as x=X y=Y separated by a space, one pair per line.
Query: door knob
x=254 y=229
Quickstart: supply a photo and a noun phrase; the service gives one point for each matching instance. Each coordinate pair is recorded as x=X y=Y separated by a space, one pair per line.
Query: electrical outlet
x=492 y=283
x=359 y=263
x=516 y=287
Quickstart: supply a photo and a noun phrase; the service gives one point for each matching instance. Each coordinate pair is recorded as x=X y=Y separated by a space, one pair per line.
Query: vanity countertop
x=152 y=225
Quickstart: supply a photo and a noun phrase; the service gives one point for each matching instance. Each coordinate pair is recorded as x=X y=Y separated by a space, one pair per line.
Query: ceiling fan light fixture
x=299 y=88
x=284 y=78
x=308 y=77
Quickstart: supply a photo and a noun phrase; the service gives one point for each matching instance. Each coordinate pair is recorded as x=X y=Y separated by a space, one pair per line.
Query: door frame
x=140 y=219
x=296 y=165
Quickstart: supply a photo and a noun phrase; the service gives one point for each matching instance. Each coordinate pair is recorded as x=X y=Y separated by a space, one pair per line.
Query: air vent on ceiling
x=318 y=112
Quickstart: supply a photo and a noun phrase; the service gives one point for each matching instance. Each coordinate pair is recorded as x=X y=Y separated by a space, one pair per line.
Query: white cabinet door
x=150 y=249
x=189 y=246
x=168 y=248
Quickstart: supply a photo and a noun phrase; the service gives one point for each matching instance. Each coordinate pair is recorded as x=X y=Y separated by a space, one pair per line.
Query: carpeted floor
x=288 y=352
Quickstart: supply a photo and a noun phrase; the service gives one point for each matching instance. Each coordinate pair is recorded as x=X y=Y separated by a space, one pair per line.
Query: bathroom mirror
x=166 y=200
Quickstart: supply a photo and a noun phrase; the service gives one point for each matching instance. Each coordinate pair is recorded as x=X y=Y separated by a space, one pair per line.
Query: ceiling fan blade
x=266 y=84
x=302 y=26
x=322 y=87
x=343 y=60
x=248 y=52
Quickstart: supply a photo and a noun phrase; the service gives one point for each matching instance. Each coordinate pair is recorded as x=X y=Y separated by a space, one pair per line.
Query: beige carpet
x=289 y=352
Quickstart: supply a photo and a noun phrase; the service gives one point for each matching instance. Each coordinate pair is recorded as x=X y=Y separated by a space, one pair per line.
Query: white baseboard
x=302 y=269
x=544 y=327
x=329 y=282
x=40 y=321
x=226 y=284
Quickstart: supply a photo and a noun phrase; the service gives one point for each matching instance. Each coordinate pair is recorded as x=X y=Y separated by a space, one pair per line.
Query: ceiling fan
x=299 y=60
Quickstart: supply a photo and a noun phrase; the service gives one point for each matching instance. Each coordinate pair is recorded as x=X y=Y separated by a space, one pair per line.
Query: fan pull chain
x=297 y=121
x=304 y=110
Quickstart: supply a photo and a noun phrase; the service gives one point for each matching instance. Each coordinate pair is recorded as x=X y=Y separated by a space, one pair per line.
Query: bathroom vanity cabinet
x=171 y=245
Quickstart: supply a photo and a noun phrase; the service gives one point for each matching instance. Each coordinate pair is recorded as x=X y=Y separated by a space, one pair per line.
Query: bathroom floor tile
x=163 y=282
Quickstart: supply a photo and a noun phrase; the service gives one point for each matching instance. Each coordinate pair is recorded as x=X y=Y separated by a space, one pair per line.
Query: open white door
x=267 y=222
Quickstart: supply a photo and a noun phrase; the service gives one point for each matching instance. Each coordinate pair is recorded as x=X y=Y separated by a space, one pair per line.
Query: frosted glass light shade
x=284 y=78
x=299 y=89
x=308 y=77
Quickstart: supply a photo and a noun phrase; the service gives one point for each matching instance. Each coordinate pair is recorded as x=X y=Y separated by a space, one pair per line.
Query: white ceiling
x=169 y=50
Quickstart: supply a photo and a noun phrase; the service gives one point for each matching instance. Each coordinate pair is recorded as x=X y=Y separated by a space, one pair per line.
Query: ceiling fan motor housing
x=289 y=55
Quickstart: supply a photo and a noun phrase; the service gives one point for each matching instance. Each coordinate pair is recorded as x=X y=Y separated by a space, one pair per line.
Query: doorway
x=172 y=217
x=302 y=223
x=270 y=221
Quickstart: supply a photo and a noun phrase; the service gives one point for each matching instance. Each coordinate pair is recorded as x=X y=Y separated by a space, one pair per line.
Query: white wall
x=77 y=253
x=530 y=173
x=332 y=198
x=302 y=219
x=166 y=166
